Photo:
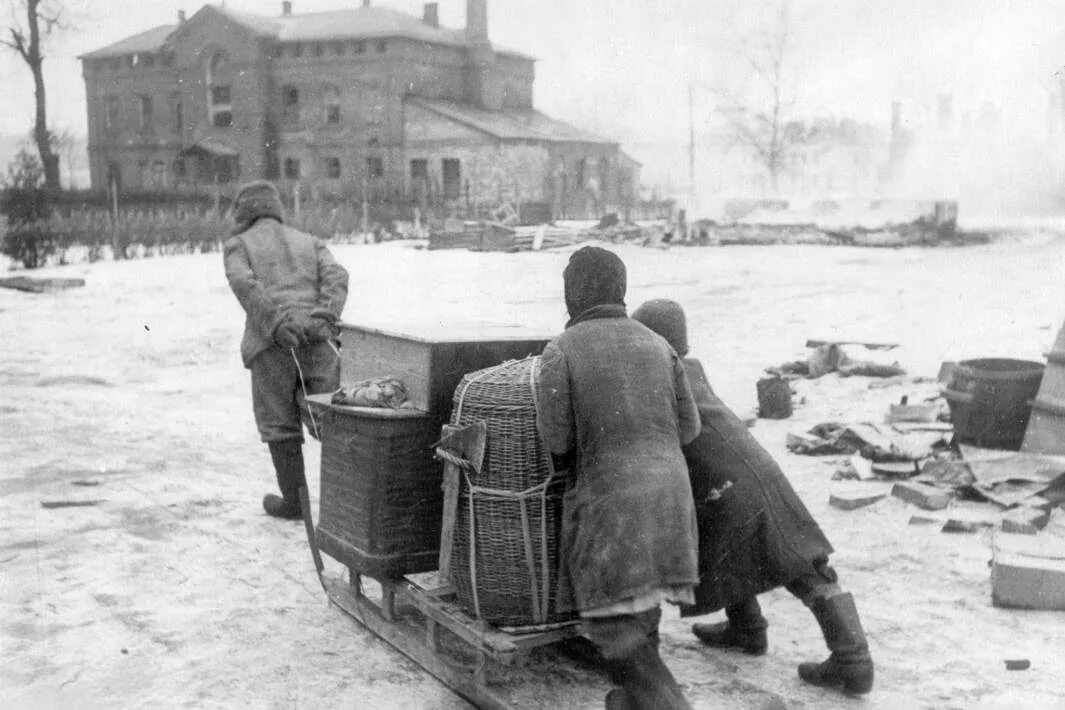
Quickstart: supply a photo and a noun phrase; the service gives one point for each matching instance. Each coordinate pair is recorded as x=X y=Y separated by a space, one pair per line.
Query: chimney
x=431 y=14
x=181 y=17
x=477 y=21
x=286 y=8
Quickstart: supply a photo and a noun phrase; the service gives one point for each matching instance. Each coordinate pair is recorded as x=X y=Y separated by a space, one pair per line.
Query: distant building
x=366 y=101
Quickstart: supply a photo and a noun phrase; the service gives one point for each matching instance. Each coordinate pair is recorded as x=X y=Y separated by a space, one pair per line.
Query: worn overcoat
x=616 y=396
x=276 y=271
x=754 y=532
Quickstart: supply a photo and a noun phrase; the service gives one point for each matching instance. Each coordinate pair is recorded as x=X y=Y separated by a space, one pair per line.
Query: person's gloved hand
x=319 y=330
x=289 y=333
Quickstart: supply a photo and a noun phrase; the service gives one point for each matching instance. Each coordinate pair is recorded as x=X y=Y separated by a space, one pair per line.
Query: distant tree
x=758 y=110
x=24 y=37
x=26 y=204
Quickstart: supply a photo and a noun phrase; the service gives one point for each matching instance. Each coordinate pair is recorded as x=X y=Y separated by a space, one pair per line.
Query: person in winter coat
x=755 y=534
x=293 y=292
x=614 y=408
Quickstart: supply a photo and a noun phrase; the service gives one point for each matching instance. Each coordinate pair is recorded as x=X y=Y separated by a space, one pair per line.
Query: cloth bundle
x=382 y=392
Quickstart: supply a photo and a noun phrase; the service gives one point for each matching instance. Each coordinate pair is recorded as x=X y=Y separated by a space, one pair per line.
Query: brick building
x=364 y=101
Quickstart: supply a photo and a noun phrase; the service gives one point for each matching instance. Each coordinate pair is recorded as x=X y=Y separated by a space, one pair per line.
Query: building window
x=277 y=51
x=331 y=101
x=381 y=46
x=360 y=47
x=219 y=97
x=292 y=168
x=296 y=50
x=179 y=169
x=375 y=167
x=114 y=176
x=159 y=176
x=179 y=114
x=338 y=48
x=111 y=112
x=227 y=169
x=144 y=111
x=452 y=173
x=419 y=170
x=319 y=50
x=290 y=104
x=149 y=61
x=332 y=168
x=222 y=119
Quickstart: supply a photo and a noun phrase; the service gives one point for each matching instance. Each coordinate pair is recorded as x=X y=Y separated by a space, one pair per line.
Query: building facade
x=368 y=103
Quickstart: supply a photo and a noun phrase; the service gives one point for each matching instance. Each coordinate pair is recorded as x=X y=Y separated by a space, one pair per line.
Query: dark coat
x=758 y=535
x=274 y=271
x=615 y=396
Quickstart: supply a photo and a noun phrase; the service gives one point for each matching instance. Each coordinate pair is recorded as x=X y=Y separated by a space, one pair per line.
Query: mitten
x=289 y=334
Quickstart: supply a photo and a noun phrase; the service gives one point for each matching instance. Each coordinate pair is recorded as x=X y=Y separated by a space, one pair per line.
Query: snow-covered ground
x=175 y=590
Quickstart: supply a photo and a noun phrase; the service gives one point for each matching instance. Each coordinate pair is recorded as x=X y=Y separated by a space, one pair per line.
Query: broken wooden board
x=1024 y=520
x=852 y=499
x=813 y=343
x=921 y=495
x=39 y=285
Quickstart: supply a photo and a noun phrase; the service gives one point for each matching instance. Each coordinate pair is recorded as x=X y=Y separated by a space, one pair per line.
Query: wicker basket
x=506 y=557
x=380 y=495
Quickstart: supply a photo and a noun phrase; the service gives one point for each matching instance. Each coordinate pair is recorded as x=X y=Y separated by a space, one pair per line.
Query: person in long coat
x=614 y=408
x=293 y=292
x=755 y=534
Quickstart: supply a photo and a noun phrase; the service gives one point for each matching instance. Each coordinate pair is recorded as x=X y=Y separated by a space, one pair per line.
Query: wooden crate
x=429 y=364
x=381 y=497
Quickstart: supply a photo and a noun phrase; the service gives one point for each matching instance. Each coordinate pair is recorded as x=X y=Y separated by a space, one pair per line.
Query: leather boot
x=745 y=629
x=849 y=663
x=646 y=683
x=288 y=465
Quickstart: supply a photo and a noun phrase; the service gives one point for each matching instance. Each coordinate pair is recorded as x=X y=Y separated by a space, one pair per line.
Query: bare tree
x=24 y=36
x=758 y=113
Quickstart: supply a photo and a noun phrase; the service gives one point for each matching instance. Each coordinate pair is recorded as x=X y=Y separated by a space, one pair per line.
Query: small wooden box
x=381 y=500
x=429 y=363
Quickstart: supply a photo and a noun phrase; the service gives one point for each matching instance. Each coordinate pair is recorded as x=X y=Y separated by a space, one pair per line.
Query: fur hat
x=666 y=318
x=593 y=277
x=257 y=199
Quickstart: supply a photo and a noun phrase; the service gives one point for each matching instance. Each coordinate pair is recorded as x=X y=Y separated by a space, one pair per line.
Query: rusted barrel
x=990 y=400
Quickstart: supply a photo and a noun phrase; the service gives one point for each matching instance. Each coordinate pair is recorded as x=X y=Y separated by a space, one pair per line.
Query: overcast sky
x=622 y=67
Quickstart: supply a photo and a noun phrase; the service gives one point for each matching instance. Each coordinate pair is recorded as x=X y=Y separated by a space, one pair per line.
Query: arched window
x=219 y=95
x=331 y=105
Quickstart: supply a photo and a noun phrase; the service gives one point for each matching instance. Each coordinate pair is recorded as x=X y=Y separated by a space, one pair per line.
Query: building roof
x=149 y=41
x=511 y=124
x=354 y=23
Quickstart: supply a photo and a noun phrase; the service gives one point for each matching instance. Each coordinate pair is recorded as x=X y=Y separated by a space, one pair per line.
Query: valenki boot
x=646 y=683
x=849 y=665
x=745 y=629
x=288 y=465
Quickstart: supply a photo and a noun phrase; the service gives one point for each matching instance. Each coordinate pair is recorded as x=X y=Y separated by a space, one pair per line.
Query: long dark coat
x=616 y=396
x=758 y=535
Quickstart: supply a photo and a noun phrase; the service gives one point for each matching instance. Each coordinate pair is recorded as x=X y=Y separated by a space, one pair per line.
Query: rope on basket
x=543 y=496
x=473 y=525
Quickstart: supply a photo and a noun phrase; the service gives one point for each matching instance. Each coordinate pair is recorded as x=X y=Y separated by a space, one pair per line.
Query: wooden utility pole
x=691 y=152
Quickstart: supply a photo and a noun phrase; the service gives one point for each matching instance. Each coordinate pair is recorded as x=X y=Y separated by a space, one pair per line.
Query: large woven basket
x=505 y=558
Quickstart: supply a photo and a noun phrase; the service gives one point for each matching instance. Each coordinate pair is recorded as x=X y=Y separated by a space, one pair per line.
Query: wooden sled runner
x=411 y=619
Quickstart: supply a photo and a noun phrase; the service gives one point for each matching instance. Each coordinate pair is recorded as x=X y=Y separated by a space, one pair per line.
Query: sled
x=424 y=622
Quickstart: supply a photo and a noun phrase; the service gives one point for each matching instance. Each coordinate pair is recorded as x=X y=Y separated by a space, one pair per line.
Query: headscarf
x=593 y=277
x=666 y=318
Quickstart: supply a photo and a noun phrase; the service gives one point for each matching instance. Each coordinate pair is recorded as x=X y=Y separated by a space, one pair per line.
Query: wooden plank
x=447 y=527
x=871 y=346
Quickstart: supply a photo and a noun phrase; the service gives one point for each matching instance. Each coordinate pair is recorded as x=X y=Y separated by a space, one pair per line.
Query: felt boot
x=745 y=629
x=646 y=683
x=849 y=664
x=288 y=465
